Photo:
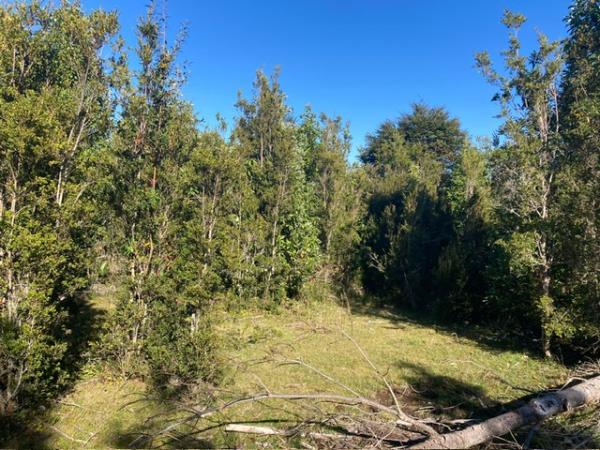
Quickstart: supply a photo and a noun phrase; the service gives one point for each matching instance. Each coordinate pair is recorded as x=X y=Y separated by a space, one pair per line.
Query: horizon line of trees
x=106 y=175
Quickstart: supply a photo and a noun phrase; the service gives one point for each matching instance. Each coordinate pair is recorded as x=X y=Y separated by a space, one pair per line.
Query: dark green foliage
x=407 y=222
x=181 y=349
x=461 y=276
x=54 y=121
x=335 y=191
x=578 y=224
x=506 y=236
x=431 y=128
x=159 y=328
x=435 y=131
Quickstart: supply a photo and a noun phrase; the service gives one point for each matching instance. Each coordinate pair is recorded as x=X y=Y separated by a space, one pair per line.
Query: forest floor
x=437 y=372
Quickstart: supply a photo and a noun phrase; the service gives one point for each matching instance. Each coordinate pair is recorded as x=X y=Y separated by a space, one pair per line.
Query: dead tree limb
x=535 y=411
x=411 y=423
x=381 y=434
x=404 y=419
x=198 y=413
x=268 y=431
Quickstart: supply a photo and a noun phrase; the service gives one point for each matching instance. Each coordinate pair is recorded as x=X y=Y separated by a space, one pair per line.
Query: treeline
x=507 y=233
x=105 y=173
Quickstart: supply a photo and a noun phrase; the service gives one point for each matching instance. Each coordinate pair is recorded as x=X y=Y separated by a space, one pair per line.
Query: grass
x=434 y=370
x=99 y=413
x=431 y=369
x=407 y=352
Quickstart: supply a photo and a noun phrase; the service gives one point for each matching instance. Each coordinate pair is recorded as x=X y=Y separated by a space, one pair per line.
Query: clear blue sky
x=365 y=60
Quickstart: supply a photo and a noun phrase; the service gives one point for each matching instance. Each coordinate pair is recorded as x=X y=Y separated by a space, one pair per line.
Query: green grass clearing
x=430 y=368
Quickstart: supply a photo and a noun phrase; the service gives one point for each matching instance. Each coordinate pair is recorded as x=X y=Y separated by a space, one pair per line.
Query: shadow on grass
x=492 y=339
x=86 y=320
x=20 y=435
x=443 y=396
x=141 y=435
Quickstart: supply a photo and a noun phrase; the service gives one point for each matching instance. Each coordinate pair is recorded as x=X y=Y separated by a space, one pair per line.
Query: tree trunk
x=546 y=301
x=535 y=411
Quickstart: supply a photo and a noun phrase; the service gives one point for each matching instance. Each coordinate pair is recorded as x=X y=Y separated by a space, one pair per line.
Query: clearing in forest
x=434 y=372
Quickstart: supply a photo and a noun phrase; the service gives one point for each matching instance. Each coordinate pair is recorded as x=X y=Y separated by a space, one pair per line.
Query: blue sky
x=365 y=60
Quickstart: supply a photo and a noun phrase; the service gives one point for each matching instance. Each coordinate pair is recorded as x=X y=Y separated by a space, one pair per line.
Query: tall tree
x=406 y=225
x=267 y=134
x=155 y=136
x=435 y=130
x=55 y=116
x=526 y=163
x=579 y=234
x=461 y=278
x=430 y=127
x=325 y=144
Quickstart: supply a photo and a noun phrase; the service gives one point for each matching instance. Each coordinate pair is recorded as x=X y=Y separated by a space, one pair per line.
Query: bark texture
x=547 y=405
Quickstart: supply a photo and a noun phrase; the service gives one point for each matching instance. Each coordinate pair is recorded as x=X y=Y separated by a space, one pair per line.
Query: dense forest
x=107 y=177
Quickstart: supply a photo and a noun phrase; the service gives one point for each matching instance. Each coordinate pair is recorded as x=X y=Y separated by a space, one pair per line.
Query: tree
x=407 y=225
x=435 y=131
x=461 y=277
x=337 y=200
x=525 y=165
x=55 y=116
x=578 y=246
x=146 y=145
x=159 y=329
x=267 y=134
x=431 y=128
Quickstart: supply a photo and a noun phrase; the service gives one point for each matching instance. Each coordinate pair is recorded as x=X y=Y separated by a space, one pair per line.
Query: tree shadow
x=443 y=396
x=494 y=339
x=143 y=435
x=86 y=320
x=25 y=437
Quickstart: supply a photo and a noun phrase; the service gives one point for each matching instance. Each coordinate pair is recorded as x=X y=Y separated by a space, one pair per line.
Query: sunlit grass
x=444 y=368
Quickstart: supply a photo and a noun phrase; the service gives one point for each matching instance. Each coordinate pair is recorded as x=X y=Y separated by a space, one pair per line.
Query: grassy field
x=433 y=370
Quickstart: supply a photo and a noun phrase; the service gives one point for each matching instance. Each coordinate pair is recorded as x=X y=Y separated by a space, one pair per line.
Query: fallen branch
x=70 y=438
x=391 y=432
x=379 y=435
x=405 y=420
x=268 y=431
x=251 y=429
x=318 y=397
x=415 y=424
x=535 y=411
x=197 y=413
x=392 y=425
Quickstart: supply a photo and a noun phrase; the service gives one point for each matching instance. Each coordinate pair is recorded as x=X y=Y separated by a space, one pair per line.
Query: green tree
x=435 y=130
x=266 y=133
x=55 y=116
x=159 y=328
x=461 y=277
x=578 y=246
x=406 y=226
x=525 y=166
x=325 y=144
x=432 y=128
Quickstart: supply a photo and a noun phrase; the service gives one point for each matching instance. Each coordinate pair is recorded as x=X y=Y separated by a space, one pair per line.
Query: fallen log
x=537 y=410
